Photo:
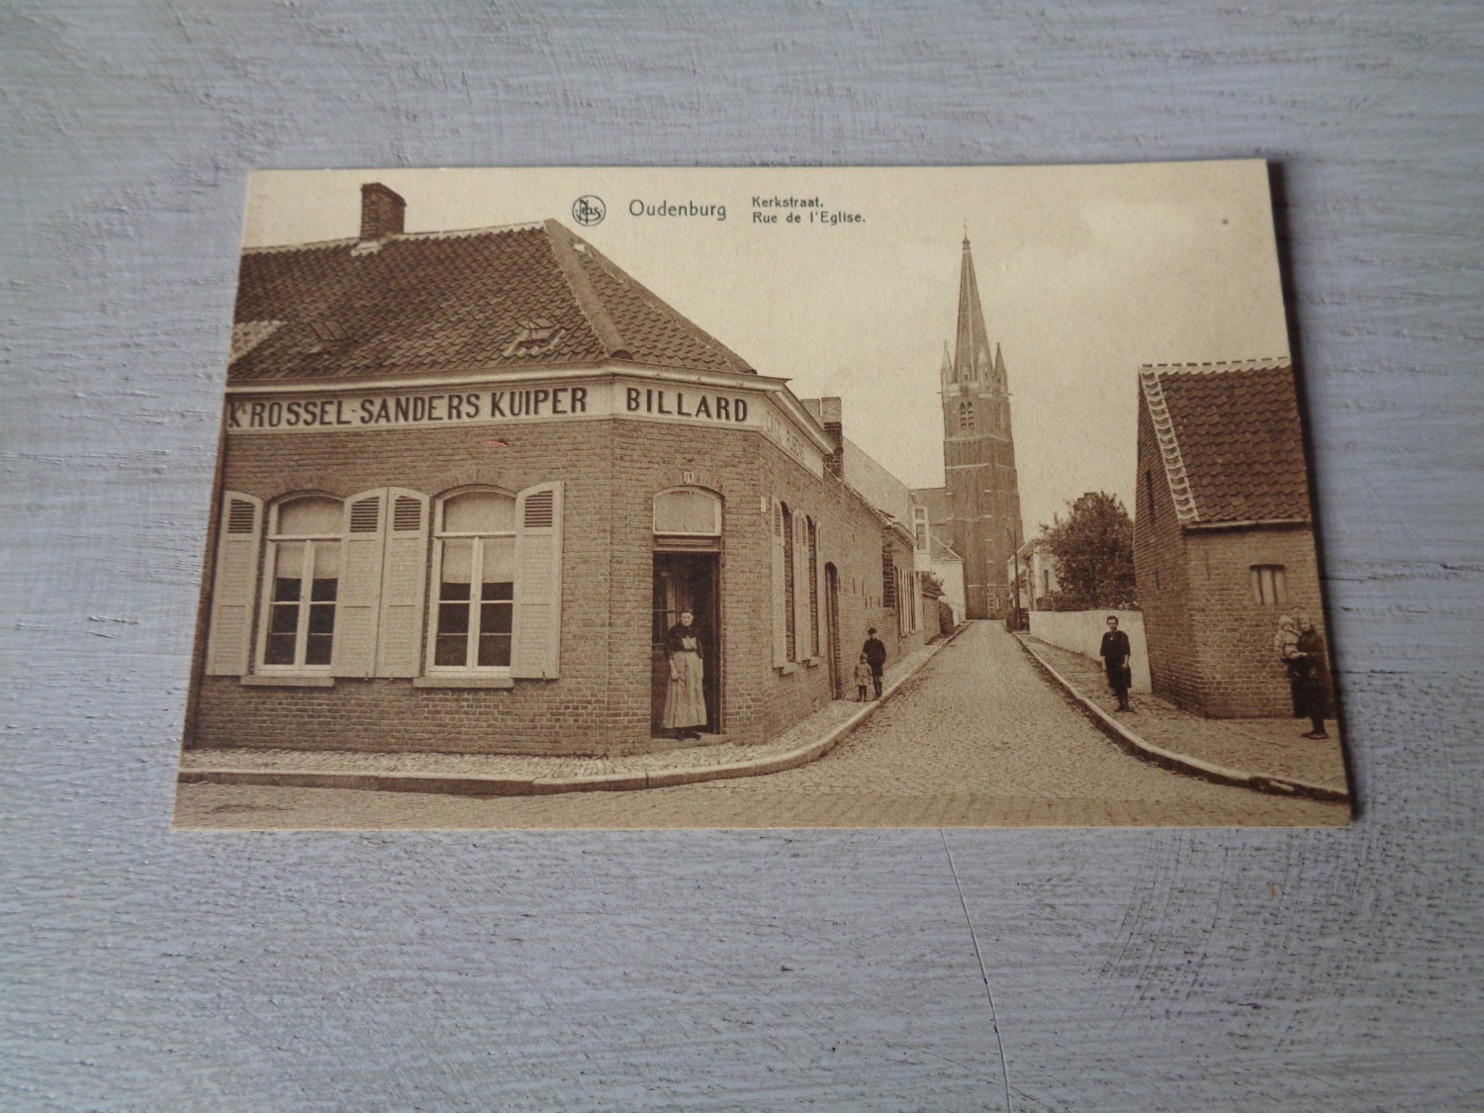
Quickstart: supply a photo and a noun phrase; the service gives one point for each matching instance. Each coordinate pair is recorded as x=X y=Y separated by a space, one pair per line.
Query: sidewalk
x=1269 y=754
x=518 y=774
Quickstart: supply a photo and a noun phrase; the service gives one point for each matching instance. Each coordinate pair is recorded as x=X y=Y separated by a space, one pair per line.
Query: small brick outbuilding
x=467 y=482
x=1223 y=532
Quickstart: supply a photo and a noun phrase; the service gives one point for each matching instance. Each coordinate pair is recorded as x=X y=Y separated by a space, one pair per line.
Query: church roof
x=516 y=297
x=1230 y=438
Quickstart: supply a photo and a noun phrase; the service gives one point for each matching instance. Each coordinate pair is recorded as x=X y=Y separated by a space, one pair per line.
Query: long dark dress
x=685 y=698
x=1310 y=678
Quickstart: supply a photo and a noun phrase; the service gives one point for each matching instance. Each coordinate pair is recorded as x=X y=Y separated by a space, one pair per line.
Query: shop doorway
x=686 y=581
x=832 y=629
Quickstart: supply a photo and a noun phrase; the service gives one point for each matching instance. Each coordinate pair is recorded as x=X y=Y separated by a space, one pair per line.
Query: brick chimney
x=382 y=212
x=831 y=419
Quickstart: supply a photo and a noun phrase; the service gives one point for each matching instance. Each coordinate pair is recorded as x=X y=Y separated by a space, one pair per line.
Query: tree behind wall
x=1093 y=547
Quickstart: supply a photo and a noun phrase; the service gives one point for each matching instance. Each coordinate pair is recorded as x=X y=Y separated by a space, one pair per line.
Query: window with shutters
x=790 y=588
x=474 y=580
x=303 y=562
x=813 y=535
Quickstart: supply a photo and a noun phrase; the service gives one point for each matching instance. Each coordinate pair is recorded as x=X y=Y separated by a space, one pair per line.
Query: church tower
x=983 y=493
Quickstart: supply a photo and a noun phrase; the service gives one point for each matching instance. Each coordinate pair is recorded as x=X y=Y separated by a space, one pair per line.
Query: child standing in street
x=862 y=679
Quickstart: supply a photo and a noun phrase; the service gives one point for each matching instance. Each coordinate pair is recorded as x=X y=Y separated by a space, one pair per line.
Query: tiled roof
x=518 y=297
x=1231 y=441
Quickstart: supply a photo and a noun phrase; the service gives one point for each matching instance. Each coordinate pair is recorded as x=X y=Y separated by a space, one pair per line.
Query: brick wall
x=601 y=703
x=1160 y=572
x=1241 y=674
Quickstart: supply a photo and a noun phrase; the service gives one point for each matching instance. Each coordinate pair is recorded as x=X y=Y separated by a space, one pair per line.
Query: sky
x=1085 y=273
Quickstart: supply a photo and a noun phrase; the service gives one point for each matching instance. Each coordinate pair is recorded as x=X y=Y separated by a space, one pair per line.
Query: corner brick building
x=469 y=479
x=1223 y=535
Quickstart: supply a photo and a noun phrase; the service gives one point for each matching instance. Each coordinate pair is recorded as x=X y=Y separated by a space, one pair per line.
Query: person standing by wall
x=863 y=679
x=875 y=652
x=1115 y=651
x=1311 y=694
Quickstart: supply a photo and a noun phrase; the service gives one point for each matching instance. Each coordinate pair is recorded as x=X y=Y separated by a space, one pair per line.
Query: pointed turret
x=946 y=372
x=971 y=357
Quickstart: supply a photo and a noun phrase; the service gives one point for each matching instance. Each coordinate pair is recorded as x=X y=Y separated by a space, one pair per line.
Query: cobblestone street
x=979 y=738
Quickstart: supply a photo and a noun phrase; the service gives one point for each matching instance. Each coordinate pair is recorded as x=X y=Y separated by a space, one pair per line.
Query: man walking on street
x=1115 y=652
x=875 y=652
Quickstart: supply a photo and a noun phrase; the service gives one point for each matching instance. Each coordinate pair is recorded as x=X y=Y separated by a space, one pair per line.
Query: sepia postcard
x=627 y=498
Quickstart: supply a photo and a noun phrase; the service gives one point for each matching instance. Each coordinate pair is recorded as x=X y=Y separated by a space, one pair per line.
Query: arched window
x=687 y=511
x=966 y=415
x=303 y=563
x=474 y=575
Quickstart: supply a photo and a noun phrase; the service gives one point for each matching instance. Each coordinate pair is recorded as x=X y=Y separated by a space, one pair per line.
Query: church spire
x=946 y=371
x=971 y=356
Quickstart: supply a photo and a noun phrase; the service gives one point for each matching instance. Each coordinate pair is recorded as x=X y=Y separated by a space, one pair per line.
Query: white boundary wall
x=1083 y=632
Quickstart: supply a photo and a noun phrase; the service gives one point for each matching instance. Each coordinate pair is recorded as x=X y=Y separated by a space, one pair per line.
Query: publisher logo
x=589 y=210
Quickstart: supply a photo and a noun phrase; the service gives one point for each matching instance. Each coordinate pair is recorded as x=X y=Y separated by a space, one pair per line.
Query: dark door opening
x=686 y=582
x=832 y=629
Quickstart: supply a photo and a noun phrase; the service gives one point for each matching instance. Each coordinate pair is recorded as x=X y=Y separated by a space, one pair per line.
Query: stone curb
x=1133 y=743
x=493 y=786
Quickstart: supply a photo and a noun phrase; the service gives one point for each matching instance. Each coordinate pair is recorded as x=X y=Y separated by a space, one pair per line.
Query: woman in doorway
x=685 y=701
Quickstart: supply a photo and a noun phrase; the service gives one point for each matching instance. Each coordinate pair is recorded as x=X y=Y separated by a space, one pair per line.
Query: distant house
x=934 y=554
x=1223 y=533
x=1035 y=568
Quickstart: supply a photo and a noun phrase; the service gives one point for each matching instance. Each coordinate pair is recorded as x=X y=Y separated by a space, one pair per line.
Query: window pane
x=309 y=516
x=453 y=618
x=321 y=619
x=499 y=591
x=326 y=561
x=317 y=650
x=494 y=618
x=280 y=650
x=499 y=560
x=323 y=589
x=289 y=563
x=284 y=618
x=494 y=651
x=458 y=564
x=451 y=651
x=479 y=512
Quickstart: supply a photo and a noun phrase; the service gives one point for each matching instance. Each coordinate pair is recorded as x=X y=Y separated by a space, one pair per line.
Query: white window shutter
x=233 y=583
x=780 y=588
x=403 y=582
x=535 y=646
x=358 y=598
x=801 y=586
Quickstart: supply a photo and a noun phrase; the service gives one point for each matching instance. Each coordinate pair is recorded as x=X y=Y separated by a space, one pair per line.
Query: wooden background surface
x=800 y=970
